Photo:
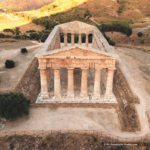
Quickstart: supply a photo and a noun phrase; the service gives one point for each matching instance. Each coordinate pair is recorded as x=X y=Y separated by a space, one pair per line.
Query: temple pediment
x=77 y=52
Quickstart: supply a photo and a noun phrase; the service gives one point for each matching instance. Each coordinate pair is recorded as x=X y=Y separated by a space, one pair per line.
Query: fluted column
x=87 y=39
x=44 y=87
x=97 y=90
x=70 y=83
x=65 y=39
x=84 y=83
x=80 y=39
x=72 y=39
x=109 y=83
x=57 y=84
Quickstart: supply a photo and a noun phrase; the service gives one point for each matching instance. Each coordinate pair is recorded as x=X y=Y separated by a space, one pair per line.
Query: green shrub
x=9 y=64
x=13 y=105
x=112 y=43
x=142 y=41
x=24 y=50
x=48 y=139
x=95 y=140
x=140 y=34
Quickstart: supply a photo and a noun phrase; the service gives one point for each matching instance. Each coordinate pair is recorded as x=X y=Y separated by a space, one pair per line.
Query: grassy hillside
x=24 y=4
x=101 y=10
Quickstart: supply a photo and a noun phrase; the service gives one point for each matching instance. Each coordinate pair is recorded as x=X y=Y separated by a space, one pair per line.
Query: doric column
x=109 y=83
x=72 y=39
x=57 y=85
x=96 y=92
x=80 y=39
x=65 y=39
x=44 y=87
x=84 y=83
x=70 y=83
x=87 y=39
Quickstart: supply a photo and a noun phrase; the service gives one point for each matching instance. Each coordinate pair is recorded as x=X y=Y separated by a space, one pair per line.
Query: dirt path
x=67 y=119
x=133 y=63
x=10 y=77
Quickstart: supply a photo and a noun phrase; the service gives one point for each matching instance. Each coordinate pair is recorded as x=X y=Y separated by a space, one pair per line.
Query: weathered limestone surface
x=97 y=91
x=57 y=86
x=70 y=83
x=100 y=56
x=84 y=83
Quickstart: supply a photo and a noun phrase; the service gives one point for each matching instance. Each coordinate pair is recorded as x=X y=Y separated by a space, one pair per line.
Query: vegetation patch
x=9 y=64
x=13 y=105
x=116 y=26
x=24 y=50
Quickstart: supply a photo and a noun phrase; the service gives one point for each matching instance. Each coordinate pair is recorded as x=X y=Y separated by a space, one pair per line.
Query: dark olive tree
x=140 y=34
x=24 y=50
x=13 y=105
x=9 y=64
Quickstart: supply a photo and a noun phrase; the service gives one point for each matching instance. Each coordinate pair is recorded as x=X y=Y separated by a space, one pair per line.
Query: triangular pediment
x=77 y=51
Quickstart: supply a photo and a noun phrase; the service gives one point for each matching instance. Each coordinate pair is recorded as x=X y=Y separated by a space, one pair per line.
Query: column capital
x=111 y=68
x=42 y=68
x=99 y=68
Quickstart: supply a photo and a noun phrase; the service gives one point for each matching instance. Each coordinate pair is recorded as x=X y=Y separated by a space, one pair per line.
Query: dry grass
x=7 y=23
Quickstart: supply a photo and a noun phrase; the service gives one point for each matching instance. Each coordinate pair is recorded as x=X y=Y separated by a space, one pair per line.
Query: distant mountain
x=20 y=5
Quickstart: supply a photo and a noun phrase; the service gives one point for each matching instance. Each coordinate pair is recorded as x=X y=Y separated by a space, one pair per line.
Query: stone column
x=47 y=77
x=84 y=83
x=72 y=39
x=87 y=39
x=70 y=83
x=80 y=39
x=57 y=84
x=44 y=87
x=109 y=83
x=96 y=92
x=65 y=39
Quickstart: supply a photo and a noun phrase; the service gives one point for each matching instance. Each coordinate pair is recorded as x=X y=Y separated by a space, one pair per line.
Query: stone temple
x=76 y=72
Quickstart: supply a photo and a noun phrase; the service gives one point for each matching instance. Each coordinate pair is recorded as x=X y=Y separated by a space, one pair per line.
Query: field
x=9 y=23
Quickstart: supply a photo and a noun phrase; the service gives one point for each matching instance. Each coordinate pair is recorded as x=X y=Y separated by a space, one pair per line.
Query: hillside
x=101 y=10
x=24 y=4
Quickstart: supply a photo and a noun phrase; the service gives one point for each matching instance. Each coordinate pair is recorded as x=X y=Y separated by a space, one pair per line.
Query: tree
x=17 y=31
x=24 y=50
x=13 y=105
x=9 y=64
x=140 y=34
x=142 y=41
x=112 y=43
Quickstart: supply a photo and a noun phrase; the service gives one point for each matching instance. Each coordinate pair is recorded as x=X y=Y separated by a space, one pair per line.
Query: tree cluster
x=30 y=31
x=48 y=24
x=116 y=26
x=13 y=105
x=40 y=35
x=9 y=30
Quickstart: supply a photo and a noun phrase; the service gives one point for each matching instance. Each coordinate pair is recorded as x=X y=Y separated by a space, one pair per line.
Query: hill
x=101 y=10
x=24 y=4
